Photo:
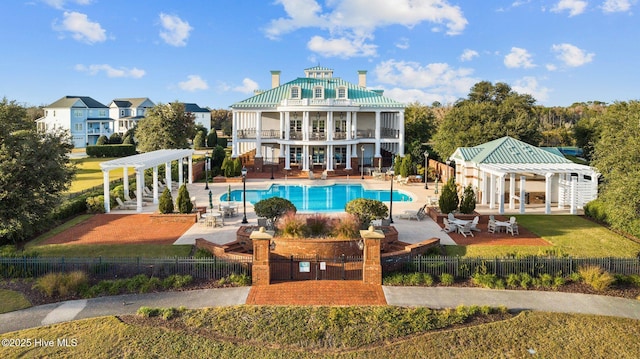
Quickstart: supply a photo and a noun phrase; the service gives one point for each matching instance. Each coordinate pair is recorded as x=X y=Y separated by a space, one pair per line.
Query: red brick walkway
x=324 y=292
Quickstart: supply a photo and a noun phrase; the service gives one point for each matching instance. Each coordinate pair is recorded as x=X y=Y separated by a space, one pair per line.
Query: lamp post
x=362 y=164
x=207 y=165
x=244 y=195
x=426 y=169
x=391 y=172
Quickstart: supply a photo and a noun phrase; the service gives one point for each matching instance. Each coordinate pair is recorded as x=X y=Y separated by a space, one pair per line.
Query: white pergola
x=140 y=163
x=573 y=187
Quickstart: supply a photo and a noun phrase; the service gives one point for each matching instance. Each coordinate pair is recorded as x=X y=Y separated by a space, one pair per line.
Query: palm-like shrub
x=367 y=210
x=468 y=202
x=318 y=225
x=346 y=227
x=292 y=226
x=183 y=200
x=165 y=204
x=449 y=200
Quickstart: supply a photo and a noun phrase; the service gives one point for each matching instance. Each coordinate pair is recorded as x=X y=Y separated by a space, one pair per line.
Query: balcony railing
x=389 y=133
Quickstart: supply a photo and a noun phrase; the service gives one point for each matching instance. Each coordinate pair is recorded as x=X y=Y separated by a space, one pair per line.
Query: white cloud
x=529 y=85
x=571 y=55
x=402 y=43
x=248 y=86
x=59 y=4
x=81 y=28
x=468 y=55
x=176 y=31
x=432 y=82
x=194 y=83
x=616 y=5
x=551 y=67
x=111 y=71
x=518 y=58
x=357 y=20
x=341 y=47
x=575 y=7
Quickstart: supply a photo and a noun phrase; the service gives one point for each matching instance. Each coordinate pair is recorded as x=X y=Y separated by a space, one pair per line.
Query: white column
x=234 y=134
x=349 y=129
x=139 y=184
x=523 y=183
x=501 y=193
x=377 y=132
x=258 y=116
x=105 y=190
x=330 y=128
x=305 y=158
x=180 y=173
x=492 y=192
x=485 y=188
x=547 y=193
x=354 y=126
x=348 y=164
x=329 y=159
x=287 y=126
x=512 y=191
x=125 y=179
x=287 y=158
x=190 y=179
x=574 y=194
x=401 y=135
x=594 y=184
x=305 y=126
x=167 y=175
x=155 y=184
x=281 y=125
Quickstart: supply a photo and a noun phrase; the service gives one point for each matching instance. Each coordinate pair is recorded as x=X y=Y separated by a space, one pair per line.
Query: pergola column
x=139 y=184
x=106 y=195
x=492 y=191
x=547 y=193
x=523 y=185
x=155 y=184
x=501 y=193
x=512 y=191
x=125 y=180
x=574 y=194
x=167 y=175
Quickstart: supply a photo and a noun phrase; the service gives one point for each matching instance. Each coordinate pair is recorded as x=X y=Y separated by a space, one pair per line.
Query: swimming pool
x=331 y=198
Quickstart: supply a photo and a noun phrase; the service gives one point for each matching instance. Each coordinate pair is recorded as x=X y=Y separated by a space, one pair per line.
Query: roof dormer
x=295 y=93
x=318 y=92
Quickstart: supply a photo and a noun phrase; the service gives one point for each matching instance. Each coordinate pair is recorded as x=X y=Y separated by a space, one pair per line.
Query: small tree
x=367 y=210
x=166 y=202
x=115 y=139
x=102 y=140
x=468 y=202
x=405 y=167
x=449 y=200
x=237 y=167
x=183 y=200
x=198 y=141
x=273 y=208
x=212 y=138
x=227 y=167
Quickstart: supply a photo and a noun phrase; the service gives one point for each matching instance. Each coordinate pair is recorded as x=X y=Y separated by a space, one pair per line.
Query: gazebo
x=140 y=163
x=488 y=166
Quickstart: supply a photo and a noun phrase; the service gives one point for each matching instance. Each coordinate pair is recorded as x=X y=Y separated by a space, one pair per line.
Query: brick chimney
x=362 y=78
x=275 y=79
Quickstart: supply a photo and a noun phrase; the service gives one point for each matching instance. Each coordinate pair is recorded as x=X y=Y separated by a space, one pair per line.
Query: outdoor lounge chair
x=491 y=226
x=474 y=224
x=448 y=227
x=122 y=205
x=411 y=214
x=513 y=228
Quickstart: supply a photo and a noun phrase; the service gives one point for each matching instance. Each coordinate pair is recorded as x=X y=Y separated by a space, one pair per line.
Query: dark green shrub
x=184 y=200
x=115 y=139
x=237 y=167
x=405 y=167
x=198 y=141
x=449 y=201
x=102 y=140
x=222 y=142
x=596 y=210
x=165 y=204
x=468 y=202
x=212 y=138
x=95 y=204
x=72 y=207
x=111 y=151
x=366 y=210
x=273 y=208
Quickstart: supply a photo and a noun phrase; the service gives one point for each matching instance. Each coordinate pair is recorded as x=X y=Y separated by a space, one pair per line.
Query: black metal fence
x=463 y=267
x=109 y=268
x=315 y=268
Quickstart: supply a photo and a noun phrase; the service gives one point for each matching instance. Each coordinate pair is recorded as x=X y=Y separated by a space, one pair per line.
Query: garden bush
x=292 y=226
x=366 y=210
x=597 y=278
x=111 y=150
x=318 y=225
x=95 y=204
x=447 y=279
x=345 y=227
x=184 y=200
x=468 y=202
x=273 y=208
x=165 y=204
x=62 y=284
x=449 y=201
x=596 y=209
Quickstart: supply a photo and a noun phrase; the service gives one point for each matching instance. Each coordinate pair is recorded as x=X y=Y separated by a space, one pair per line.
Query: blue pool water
x=317 y=198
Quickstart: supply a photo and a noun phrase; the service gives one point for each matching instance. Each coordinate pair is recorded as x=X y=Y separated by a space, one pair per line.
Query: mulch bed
x=525 y=238
x=121 y=229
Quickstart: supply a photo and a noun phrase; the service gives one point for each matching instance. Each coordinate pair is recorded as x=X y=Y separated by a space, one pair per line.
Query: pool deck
x=409 y=231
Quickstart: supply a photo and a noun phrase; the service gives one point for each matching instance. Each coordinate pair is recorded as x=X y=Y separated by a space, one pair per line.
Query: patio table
x=502 y=226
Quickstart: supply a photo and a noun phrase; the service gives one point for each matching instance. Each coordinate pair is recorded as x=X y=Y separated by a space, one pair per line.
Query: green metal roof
x=358 y=95
x=508 y=150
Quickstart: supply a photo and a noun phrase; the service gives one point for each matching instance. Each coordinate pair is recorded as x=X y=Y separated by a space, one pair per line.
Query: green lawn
x=12 y=300
x=537 y=335
x=572 y=235
x=89 y=173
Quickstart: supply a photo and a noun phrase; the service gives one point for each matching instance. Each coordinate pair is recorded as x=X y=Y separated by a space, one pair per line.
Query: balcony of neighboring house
x=389 y=133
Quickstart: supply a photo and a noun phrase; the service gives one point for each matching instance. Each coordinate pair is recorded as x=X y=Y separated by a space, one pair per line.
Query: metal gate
x=295 y=268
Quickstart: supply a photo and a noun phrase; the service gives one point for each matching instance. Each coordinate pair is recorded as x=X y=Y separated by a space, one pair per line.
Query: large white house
x=201 y=116
x=128 y=111
x=318 y=122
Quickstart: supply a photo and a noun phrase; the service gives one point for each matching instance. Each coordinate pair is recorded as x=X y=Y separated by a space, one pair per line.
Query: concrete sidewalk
x=433 y=297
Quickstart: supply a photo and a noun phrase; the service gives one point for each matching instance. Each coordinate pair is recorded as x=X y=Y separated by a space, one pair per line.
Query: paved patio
x=410 y=231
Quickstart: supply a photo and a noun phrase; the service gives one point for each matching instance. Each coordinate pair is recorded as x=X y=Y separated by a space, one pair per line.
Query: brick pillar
x=260 y=270
x=258 y=163
x=371 y=266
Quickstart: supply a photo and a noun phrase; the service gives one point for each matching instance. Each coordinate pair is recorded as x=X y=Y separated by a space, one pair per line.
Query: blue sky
x=216 y=52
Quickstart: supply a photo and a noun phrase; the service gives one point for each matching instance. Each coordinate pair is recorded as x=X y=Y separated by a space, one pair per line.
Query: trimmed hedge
x=111 y=150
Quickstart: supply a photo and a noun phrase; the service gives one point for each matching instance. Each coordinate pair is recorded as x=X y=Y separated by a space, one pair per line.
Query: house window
x=342 y=93
x=340 y=155
x=295 y=155
x=77 y=113
x=318 y=92
x=121 y=112
x=77 y=127
x=295 y=92
x=102 y=113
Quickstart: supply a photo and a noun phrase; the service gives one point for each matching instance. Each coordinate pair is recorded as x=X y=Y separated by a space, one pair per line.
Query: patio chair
x=451 y=217
x=465 y=229
x=491 y=226
x=324 y=175
x=448 y=227
x=474 y=224
x=311 y=175
x=513 y=229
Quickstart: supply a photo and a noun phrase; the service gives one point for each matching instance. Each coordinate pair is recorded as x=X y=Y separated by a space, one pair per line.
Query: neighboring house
x=85 y=118
x=128 y=111
x=201 y=115
x=504 y=163
x=318 y=121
